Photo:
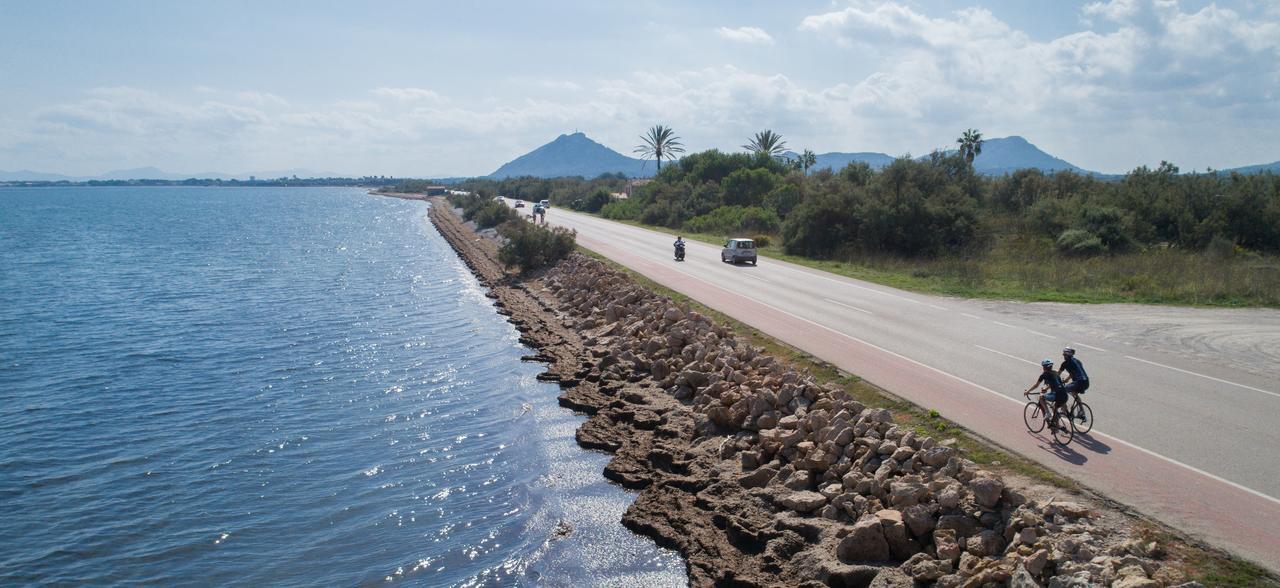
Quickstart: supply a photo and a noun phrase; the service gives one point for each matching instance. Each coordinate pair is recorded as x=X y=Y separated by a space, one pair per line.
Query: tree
x=970 y=145
x=807 y=160
x=660 y=142
x=766 y=142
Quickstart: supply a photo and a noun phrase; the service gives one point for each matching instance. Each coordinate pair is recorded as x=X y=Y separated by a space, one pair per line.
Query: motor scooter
x=680 y=252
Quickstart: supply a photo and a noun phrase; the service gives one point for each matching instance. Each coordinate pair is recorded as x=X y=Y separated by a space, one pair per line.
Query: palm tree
x=660 y=143
x=970 y=145
x=807 y=160
x=766 y=142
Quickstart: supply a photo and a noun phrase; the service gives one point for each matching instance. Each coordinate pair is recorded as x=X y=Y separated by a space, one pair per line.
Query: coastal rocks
x=803 y=502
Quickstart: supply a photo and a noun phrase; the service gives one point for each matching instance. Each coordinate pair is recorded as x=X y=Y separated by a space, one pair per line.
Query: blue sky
x=448 y=88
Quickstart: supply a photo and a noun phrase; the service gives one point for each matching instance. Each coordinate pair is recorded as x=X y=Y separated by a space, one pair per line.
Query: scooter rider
x=679 y=245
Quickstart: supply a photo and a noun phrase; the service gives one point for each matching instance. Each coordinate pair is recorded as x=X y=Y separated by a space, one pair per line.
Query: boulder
x=1023 y=579
x=986 y=491
x=919 y=520
x=923 y=568
x=936 y=456
x=803 y=502
x=945 y=545
x=865 y=542
x=985 y=543
x=895 y=533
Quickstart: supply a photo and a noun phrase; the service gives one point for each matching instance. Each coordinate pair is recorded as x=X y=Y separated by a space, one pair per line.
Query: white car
x=739 y=250
x=546 y=204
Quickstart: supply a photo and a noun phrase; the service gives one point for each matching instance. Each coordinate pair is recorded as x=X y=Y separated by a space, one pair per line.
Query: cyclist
x=1057 y=391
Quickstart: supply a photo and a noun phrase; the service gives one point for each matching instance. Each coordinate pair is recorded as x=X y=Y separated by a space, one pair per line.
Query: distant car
x=738 y=251
x=519 y=203
x=545 y=204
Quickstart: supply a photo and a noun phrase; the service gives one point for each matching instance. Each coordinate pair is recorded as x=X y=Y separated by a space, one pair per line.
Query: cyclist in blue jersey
x=1077 y=379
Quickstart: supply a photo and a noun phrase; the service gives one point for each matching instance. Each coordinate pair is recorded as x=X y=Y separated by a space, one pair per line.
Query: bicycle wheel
x=1033 y=417
x=1060 y=427
x=1081 y=417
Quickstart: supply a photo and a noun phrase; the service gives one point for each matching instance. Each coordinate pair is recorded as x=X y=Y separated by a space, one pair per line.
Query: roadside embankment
x=760 y=475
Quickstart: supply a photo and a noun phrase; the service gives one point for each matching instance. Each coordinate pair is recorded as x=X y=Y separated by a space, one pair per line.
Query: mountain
x=26 y=175
x=573 y=155
x=1273 y=167
x=837 y=161
x=1010 y=154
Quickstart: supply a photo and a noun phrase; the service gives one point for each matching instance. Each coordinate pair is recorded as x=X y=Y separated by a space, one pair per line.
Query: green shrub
x=734 y=219
x=1080 y=242
x=532 y=247
x=625 y=209
x=493 y=214
x=761 y=240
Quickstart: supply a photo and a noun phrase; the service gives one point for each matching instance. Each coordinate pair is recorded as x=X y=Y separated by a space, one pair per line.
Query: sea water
x=279 y=386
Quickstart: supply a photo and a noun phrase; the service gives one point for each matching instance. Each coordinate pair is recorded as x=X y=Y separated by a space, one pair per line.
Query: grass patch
x=1031 y=270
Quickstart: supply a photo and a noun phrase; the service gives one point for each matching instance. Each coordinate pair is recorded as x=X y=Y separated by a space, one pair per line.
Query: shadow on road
x=1092 y=444
x=1066 y=454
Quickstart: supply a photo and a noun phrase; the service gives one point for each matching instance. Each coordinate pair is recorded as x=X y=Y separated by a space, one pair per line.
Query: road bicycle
x=1081 y=415
x=1040 y=412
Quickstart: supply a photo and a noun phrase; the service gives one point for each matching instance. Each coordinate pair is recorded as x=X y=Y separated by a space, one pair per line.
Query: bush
x=761 y=240
x=625 y=209
x=593 y=203
x=1080 y=242
x=493 y=214
x=734 y=219
x=532 y=247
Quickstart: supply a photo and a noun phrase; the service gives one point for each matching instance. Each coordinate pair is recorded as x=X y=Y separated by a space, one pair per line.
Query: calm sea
x=278 y=387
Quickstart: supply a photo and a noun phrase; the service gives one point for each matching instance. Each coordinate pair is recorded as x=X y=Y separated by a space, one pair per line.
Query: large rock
x=803 y=502
x=919 y=520
x=945 y=545
x=986 y=491
x=865 y=542
x=936 y=456
x=1023 y=579
x=895 y=533
x=923 y=568
x=985 y=543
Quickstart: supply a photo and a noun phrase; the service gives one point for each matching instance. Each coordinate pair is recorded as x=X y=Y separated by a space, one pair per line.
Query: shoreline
x=757 y=475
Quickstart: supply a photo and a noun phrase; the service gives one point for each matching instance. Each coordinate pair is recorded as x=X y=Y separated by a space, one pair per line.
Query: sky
x=435 y=89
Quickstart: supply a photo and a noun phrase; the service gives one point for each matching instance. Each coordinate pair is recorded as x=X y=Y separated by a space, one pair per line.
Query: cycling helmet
x=1068 y=350
x=1047 y=363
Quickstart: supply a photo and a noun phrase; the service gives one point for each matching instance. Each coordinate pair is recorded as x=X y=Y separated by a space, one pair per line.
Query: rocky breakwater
x=760 y=475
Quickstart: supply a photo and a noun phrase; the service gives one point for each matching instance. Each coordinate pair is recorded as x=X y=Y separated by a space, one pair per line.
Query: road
x=1187 y=440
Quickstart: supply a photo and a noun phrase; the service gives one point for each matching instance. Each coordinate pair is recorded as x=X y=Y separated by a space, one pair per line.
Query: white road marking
x=1004 y=324
x=1096 y=433
x=939 y=307
x=1006 y=355
x=1090 y=347
x=970 y=316
x=849 y=306
x=1046 y=335
x=757 y=278
x=1169 y=367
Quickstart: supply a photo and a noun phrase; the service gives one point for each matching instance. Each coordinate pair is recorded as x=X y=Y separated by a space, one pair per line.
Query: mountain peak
x=573 y=154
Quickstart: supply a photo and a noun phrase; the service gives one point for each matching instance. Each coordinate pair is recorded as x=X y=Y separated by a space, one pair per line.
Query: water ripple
x=277 y=386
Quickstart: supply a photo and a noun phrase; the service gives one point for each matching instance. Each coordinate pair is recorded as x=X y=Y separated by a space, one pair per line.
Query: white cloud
x=408 y=94
x=754 y=35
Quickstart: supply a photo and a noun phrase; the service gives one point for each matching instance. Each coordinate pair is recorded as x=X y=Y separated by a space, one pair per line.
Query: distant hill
x=573 y=155
x=1010 y=154
x=153 y=173
x=1273 y=167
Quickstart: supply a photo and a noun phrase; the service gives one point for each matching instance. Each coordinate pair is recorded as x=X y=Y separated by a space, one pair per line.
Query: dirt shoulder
x=760 y=474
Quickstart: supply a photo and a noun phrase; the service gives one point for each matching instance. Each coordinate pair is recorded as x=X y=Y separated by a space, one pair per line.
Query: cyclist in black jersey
x=1057 y=391
x=1077 y=378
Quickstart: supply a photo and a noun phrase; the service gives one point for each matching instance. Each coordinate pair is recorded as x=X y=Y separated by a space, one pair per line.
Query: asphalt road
x=1182 y=437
